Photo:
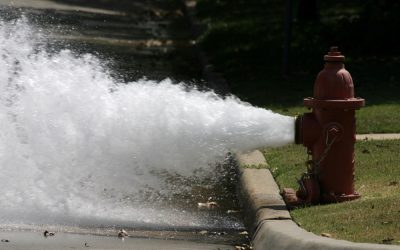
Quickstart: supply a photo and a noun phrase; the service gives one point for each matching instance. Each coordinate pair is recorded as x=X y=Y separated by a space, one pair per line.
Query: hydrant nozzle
x=328 y=133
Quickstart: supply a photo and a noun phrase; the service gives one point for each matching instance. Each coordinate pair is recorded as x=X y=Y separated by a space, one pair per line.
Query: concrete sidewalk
x=378 y=137
x=268 y=219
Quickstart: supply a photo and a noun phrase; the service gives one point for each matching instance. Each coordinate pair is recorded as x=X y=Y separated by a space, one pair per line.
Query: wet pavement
x=35 y=240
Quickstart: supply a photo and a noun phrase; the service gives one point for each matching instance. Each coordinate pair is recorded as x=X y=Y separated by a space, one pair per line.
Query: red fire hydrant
x=329 y=134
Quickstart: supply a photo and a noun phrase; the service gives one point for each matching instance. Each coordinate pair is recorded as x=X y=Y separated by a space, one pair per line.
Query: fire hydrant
x=329 y=134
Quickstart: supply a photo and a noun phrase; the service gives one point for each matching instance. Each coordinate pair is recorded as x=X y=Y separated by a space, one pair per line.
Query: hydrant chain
x=324 y=154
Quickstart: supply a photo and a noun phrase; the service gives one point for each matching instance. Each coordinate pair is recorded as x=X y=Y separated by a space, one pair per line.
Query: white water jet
x=74 y=142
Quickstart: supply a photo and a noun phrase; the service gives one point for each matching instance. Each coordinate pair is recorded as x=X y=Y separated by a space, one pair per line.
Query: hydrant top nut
x=334 y=55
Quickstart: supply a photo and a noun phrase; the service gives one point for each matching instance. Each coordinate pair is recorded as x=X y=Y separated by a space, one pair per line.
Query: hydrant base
x=331 y=198
x=292 y=199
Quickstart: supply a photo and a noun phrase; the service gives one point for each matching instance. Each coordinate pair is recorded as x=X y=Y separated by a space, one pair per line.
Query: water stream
x=79 y=147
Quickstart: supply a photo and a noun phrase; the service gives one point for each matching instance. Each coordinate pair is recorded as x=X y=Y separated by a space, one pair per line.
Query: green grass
x=373 y=218
x=383 y=118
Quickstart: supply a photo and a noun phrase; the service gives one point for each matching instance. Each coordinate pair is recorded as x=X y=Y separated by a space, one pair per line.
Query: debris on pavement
x=47 y=233
x=208 y=205
x=122 y=233
x=327 y=235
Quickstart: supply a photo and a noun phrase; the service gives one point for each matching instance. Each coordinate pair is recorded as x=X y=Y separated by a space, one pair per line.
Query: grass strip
x=374 y=218
x=381 y=118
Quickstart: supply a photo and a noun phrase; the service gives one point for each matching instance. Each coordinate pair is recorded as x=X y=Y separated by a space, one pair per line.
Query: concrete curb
x=267 y=218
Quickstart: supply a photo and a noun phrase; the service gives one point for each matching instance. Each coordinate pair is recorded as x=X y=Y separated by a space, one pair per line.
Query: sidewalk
x=378 y=137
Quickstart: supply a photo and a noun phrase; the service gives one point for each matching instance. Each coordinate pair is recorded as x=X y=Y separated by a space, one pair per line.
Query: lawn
x=379 y=118
x=373 y=218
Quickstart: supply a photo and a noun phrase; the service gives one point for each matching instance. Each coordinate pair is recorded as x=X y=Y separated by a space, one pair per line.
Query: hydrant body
x=329 y=134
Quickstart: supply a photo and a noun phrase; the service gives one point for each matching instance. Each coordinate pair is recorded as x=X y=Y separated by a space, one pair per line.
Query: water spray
x=79 y=146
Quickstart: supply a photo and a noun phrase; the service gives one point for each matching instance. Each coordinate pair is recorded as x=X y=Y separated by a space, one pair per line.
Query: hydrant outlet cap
x=334 y=55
